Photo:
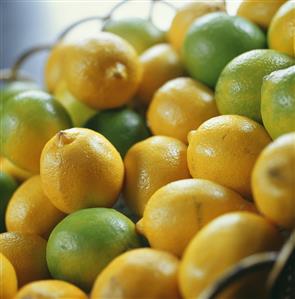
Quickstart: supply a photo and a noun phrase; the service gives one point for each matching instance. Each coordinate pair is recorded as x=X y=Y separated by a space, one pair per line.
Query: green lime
x=278 y=102
x=122 y=127
x=7 y=186
x=84 y=242
x=28 y=120
x=214 y=40
x=140 y=33
x=15 y=87
x=78 y=111
x=238 y=90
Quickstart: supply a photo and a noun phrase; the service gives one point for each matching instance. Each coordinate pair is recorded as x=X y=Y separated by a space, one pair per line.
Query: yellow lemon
x=281 y=29
x=224 y=149
x=8 y=167
x=221 y=244
x=8 y=281
x=180 y=106
x=80 y=168
x=177 y=211
x=259 y=12
x=186 y=15
x=50 y=289
x=143 y=273
x=161 y=63
x=273 y=181
x=30 y=211
x=102 y=72
x=26 y=252
x=151 y=164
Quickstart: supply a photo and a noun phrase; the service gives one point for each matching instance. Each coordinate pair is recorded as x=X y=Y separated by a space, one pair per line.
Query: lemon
x=278 y=102
x=17 y=173
x=24 y=214
x=224 y=149
x=139 y=273
x=238 y=89
x=191 y=203
x=80 y=169
x=151 y=164
x=233 y=237
x=28 y=120
x=179 y=106
x=102 y=72
x=273 y=181
x=83 y=243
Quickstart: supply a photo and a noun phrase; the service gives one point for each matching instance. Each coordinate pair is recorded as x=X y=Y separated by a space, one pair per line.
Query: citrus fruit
x=54 y=67
x=238 y=90
x=179 y=106
x=17 y=173
x=161 y=63
x=140 y=33
x=139 y=273
x=102 y=72
x=278 y=102
x=26 y=252
x=122 y=127
x=83 y=243
x=50 y=289
x=259 y=12
x=80 y=169
x=214 y=40
x=151 y=164
x=24 y=214
x=235 y=236
x=281 y=30
x=29 y=119
x=186 y=15
x=191 y=203
x=8 y=281
x=78 y=111
x=273 y=181
x=224 y=149
x=7 y=186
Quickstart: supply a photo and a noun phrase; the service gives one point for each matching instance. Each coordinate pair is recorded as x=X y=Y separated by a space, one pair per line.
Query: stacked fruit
x=213 y=185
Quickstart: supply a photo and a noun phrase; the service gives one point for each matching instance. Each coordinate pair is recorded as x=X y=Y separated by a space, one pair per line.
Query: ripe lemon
x=186 y=15
x=50 y=289
x=8 y=281
x=78 y=111
x=214 y=40
x=224 y=149
x=278 y=102
x=273 y=181
x=180 y=106
x=161 y=63
x=143 y=273
x=7 y=186
x=26 y=252
x=54 y=67
x=151 y=164
x=24 y=214
x=29 y=119
x=83 y=243
x=236 y=235
x=259 y=12
x=281 y=30
x=102 y=72
x=140 y=33
x=80 y=169
x=177 y=211
x=123 y=127
x=238 y=90
x=17 y=173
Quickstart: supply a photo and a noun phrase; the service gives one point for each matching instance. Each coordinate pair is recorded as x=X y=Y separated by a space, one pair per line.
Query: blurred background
x=27 y=23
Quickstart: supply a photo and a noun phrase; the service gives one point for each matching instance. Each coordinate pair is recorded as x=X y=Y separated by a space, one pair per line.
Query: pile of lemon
x=190 y=134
